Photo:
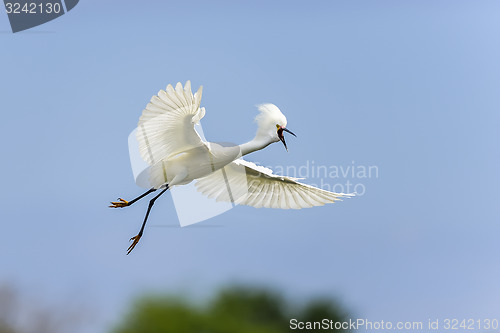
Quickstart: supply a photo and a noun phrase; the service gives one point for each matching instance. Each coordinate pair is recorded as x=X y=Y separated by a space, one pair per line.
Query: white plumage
x=261 y=188
x=169 y=142
x=269 y=116
x=177 y=155
x=166 y=126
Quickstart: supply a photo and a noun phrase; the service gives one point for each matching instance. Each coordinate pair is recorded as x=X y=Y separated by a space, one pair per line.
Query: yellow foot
x=119 y=204
x=135 y=240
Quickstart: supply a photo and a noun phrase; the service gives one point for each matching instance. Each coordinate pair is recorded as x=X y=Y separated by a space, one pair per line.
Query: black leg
x=136 y=239
x=124 y=203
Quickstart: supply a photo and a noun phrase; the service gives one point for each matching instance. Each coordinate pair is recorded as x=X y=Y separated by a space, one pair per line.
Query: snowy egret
x=177 y=155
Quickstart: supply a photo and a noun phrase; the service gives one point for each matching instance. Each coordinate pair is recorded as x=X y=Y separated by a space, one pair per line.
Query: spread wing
x=259 y=187
x=166 y=127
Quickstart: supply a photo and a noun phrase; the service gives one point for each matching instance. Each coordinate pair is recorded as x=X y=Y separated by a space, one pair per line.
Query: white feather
x=269 y=116
x=262 y=188
x=166 y=127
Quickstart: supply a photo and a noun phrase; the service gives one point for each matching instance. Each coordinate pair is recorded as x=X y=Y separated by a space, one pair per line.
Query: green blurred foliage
x=233 y=310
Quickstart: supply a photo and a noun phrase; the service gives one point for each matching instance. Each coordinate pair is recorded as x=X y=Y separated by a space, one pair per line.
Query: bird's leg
x=136 y=239
x=124 y=203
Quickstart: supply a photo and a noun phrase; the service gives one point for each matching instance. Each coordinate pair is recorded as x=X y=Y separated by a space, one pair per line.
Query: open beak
x=282 y=138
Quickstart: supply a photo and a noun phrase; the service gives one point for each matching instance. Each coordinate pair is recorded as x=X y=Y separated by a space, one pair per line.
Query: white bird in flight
x=177 y=155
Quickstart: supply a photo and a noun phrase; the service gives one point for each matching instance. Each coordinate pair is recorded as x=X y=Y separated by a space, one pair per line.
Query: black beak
x=282 y=138
x=288 y=131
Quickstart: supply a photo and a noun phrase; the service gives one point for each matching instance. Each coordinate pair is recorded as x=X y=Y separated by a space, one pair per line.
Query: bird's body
x=192 y=164
x=177 y=155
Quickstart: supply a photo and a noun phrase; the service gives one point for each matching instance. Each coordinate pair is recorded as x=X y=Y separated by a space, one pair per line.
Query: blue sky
x=410 y=87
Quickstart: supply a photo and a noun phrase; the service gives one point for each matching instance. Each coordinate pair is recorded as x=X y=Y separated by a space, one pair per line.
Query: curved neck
x=256 y=144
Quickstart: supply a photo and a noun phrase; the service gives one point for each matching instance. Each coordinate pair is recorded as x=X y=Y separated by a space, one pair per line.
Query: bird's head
x=272 y=123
